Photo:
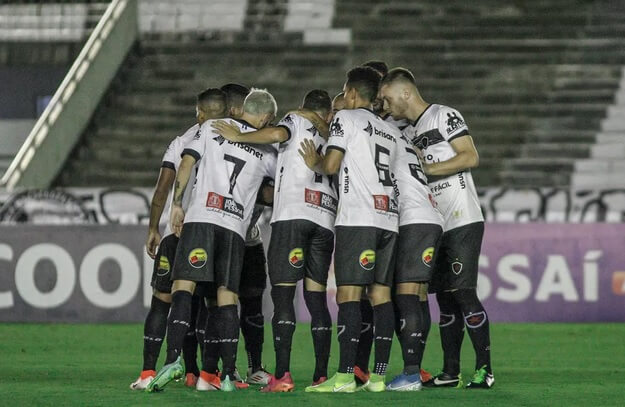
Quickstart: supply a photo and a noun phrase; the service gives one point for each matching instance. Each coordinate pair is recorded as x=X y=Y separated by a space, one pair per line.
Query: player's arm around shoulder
x=268 y=135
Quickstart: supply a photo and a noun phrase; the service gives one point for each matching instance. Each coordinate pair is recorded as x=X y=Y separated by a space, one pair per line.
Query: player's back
x=228 y=179
x=299 y=192
x=366 y=190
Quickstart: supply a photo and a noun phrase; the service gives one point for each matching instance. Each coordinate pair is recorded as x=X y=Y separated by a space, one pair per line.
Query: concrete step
x=608 y=151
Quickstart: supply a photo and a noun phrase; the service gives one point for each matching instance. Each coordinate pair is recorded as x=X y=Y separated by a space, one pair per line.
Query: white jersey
x=228 y=179
x=366 y=192
x=171 y=159
x=416 y=203
x=400 y=124
x=253 y=236
x=299 y=192
x=455 y=195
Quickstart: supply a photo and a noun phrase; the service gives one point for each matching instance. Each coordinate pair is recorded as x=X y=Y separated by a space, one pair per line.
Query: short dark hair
x=365 y=80
x=235 y=94
x=318 y=100
x=379 y=66
x=212 y=95
x=398 y=74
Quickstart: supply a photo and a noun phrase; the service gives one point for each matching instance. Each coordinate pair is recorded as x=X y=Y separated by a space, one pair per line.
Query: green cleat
x=375 y=384
x=481 y=379
x=227 y=384
x=172 y=371
x=339 y=383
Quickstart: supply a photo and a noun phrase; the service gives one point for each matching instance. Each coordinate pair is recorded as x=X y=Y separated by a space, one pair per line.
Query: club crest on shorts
x=456 y=267
x=197 y=258
x=163 y=266
x=367 y=259
x=296 y=257
x=427 y=256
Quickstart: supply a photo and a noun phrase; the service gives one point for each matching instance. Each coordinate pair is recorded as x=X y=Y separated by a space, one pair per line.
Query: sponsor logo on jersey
x=367 y=259
x=384 y=203
x=346 y=181
x=440 y=186
x=197 y=258
x=427 y=256
x=456 y=267
x=248 y=149
x=336 y=129
x=296 y=257
x=463 y=184
x=163 y=266
x=374 y=130
x=321 y=200
x=219 y=139
x=225 y=204
x=454 y=122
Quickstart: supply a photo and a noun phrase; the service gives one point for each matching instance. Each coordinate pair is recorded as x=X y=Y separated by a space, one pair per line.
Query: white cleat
x=260 y=377
x=142 y=381
x=207 y=382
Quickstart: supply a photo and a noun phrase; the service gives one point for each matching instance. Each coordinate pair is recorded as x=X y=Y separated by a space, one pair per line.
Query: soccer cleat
x=227 y=384
x=172 y=371
x=481 y=379
x=339 y=383
x=425 y=376
x=283 y=385
x=375 y=384
x=208 y=382
x=362 y=377
x=261 y=377
x=404 y=382
x=190 y=380
x=319 y=381
x=236 y=376
x=444 y=380
x=144 y=379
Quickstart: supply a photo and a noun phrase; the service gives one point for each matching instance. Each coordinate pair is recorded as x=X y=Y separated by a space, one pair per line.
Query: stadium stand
x=534 y=80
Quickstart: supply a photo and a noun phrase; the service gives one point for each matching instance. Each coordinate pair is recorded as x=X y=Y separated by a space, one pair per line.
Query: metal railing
x=59 y=128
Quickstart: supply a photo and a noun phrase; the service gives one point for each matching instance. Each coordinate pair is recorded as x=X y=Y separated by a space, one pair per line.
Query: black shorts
x=417 y=247
x=254 y=273
x=163 y=262
x=299 y=248
x=458 y=258
x=209 y=253
x=364 y=255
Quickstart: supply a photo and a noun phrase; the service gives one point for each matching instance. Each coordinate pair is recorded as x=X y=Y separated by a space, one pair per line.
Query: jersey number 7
x=238 y=166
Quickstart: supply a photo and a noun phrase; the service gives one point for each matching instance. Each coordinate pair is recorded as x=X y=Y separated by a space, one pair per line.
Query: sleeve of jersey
x=195 y=147
x=337 y=139
x=452 y=124
x=169 y=158
x=271 y=164
x=288 y=123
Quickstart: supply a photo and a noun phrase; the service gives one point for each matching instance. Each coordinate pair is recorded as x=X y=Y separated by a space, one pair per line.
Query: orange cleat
x=283 y=385
x=425 y=376
x=190 y=380
x=208 y=382
x=362 y=377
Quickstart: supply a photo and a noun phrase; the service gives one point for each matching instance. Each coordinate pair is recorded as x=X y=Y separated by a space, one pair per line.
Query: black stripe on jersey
x=245 y=123
x=421 y=115
x=342 y=150
x=464 y=132
x=168 y=164
x=288 y=132
x=192 y=153
x=429 y=138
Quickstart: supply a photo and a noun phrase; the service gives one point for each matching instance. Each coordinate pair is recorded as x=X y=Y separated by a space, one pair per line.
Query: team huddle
x=376 y=179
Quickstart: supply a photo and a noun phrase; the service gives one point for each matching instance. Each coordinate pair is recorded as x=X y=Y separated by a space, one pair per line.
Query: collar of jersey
x=421 y=115
x=368 y=110
x=245 y=123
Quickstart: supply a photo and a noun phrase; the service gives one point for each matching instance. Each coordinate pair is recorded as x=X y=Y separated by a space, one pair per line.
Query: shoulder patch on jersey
x=288 y=119
x=197 y=135
x=369 y=128
x=336 y=129
x=454 y=122
x=312 y=130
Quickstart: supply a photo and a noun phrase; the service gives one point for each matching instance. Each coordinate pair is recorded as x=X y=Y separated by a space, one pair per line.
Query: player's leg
x=209 y=376
x=365 y=344
x=189 y=347
x=317 y=264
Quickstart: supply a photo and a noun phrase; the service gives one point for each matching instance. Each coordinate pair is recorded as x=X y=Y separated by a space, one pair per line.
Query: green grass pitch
x=93 y=365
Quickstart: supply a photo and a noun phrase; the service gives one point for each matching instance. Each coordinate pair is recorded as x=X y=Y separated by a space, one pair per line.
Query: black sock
x=228 y=324
x=210 y=353
x=383 y=327
x=426 y=318
x=200 y=323
x=253 y=330
x=154 y=332
x=410 y=332
x=365 y=343
x=321 y=330
x=189 y=347
x=178 y=324
x=476 y=320
x=452 y=332
x=283 y=324
x=348 y=332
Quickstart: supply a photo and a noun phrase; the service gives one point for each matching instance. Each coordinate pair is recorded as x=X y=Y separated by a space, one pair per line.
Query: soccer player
x=420 y=230
x=211 y=104
x=302 y=238
x=362 y=147
x=212 y=241
x=338 y=103
x=442 y=136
